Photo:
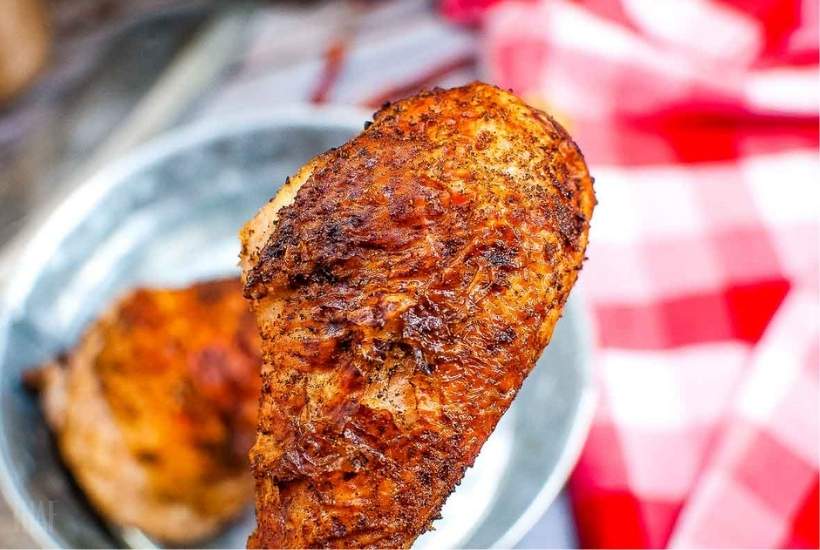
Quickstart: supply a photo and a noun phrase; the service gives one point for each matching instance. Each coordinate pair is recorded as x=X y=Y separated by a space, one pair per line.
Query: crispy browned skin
x=155 y=409
x=404 y=291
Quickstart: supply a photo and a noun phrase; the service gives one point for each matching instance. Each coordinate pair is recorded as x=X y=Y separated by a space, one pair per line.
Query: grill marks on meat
x=404 y=285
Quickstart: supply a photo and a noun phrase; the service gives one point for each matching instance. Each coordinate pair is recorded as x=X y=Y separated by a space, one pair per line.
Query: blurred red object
x=466 y=11
x=700 y=123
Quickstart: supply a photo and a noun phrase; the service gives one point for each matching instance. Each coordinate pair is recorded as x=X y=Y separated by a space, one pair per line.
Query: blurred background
x=699 y=120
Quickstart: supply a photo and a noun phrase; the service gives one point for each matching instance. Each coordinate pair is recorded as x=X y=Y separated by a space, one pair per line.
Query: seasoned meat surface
x=155 y=409
x=404 y=284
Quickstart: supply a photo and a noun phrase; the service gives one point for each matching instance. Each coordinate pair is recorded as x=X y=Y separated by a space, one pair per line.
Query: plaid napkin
x=700 y=123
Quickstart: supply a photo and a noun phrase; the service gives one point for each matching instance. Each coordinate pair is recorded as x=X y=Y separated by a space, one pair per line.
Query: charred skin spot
x=501 y=255
x=319 y=274
x=338 y=530
x=505 y=335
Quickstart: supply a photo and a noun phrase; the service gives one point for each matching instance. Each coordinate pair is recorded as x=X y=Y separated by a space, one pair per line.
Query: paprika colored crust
x=155 y=409
x=404 y=285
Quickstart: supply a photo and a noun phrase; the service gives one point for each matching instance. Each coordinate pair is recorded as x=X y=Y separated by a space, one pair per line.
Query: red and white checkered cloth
x=699 y=119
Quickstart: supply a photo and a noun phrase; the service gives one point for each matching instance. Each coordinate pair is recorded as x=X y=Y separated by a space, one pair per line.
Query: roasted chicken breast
x=155 y=409
x=405 y=284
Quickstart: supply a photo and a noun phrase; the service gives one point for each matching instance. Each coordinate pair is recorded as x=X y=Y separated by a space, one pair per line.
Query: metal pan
x=169 y=214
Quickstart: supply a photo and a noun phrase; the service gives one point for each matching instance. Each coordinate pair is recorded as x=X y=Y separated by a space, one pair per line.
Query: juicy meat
x=155 y=409
x=404 y=285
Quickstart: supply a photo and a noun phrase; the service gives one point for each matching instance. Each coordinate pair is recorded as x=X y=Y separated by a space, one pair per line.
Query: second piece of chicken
x=155 y=409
